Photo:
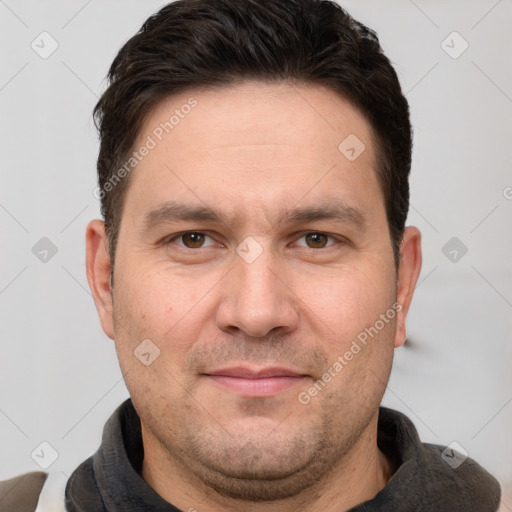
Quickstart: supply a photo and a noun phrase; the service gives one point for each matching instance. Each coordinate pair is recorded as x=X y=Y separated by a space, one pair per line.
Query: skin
x=253 y=153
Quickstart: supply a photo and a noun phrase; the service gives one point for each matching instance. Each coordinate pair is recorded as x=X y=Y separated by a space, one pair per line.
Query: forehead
x=240 y=145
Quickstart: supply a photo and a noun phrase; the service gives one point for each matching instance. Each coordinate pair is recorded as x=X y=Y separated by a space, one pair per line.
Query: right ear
x=98 y=273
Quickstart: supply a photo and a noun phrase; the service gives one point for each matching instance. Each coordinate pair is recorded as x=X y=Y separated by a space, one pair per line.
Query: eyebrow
x=172 y=211
x=338 y=211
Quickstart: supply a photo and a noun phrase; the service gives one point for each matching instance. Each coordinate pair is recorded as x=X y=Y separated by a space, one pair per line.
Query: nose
x=257 y=298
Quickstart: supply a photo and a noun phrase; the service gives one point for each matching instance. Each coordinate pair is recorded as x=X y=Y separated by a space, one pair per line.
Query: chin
x=262 y=466
x=260 y=475
x=261 y=490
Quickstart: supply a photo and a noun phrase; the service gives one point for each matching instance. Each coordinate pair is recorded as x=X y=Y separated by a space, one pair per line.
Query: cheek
x=347 y=302
x=161 y=306
x=346 y=309
x=162 y=310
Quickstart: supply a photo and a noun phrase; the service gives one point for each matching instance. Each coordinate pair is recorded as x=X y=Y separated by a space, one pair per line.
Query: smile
x=265 y=382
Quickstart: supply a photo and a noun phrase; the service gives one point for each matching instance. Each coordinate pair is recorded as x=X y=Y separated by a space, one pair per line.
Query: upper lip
x=254 y=373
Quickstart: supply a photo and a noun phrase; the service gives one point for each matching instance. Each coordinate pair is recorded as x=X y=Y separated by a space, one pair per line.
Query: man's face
x=273 y=256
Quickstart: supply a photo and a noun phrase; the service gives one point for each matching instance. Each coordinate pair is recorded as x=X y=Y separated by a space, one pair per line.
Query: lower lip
x=266 y=386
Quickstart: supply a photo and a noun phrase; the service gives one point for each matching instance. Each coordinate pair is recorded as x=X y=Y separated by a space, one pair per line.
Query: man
x=255 y=272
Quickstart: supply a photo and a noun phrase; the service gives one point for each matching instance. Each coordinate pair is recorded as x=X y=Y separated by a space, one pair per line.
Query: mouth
x=255 y=382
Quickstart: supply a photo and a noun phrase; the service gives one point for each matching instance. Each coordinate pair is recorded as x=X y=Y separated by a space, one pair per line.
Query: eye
x=316 y=240
x=192 y=240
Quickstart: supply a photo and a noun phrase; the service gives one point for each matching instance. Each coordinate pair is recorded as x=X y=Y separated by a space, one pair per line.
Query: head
x=195 y=44
x=253 y=176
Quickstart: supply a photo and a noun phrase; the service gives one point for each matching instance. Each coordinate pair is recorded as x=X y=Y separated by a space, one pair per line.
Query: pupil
x=316 y=240
x=193 y=239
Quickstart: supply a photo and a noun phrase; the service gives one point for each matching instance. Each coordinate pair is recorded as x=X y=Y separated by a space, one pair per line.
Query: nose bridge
x=257 y=283
x=255 y=300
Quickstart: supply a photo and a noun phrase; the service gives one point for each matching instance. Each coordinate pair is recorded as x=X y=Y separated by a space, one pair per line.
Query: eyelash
x=183 y=233
x=331 y=238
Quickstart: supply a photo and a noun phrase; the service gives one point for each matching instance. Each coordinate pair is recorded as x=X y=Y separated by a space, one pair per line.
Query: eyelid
x=177 y=236
x=335 y=238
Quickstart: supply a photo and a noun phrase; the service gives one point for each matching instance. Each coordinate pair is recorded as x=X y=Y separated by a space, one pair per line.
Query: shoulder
x=81 y=490
x=21 y=493
x=431 y=476
x=449 y=468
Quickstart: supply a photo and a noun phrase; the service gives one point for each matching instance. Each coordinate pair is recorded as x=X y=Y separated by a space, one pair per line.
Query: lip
x=255 y=382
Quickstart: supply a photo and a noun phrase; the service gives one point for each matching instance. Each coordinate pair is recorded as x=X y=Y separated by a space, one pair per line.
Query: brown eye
x=193 y=240
x=316 y=240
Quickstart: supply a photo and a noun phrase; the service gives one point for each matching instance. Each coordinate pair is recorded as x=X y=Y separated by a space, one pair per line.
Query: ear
x=408 y=273
x=98 y=273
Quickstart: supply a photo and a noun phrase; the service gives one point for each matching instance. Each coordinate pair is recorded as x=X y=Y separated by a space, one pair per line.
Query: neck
x=358 y=477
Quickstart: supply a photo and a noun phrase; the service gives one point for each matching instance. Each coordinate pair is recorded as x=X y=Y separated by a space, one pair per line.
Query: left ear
x=408 y=273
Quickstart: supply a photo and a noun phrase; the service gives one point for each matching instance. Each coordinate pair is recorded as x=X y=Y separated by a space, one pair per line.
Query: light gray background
x=59 y=378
